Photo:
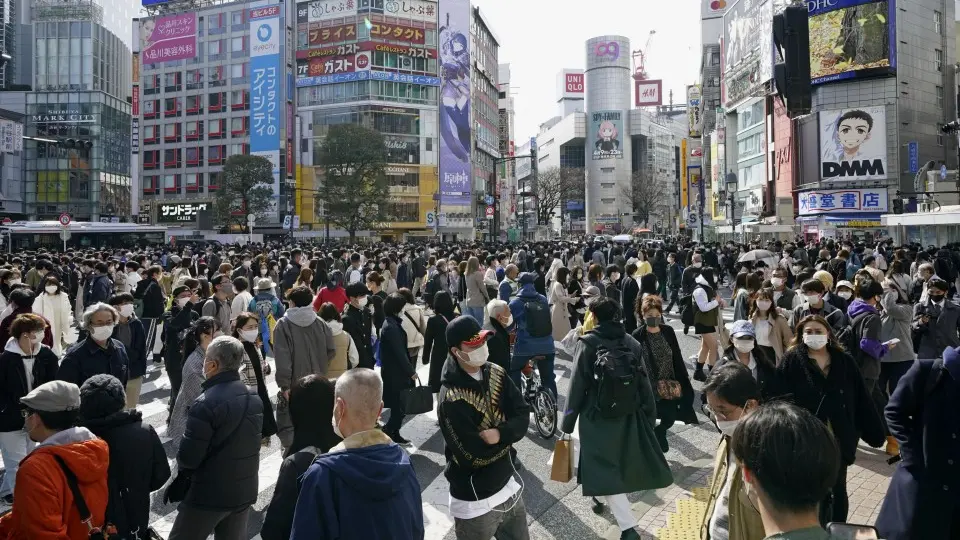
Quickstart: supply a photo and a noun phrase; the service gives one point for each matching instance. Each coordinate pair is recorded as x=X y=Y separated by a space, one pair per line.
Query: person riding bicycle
x=531 y=315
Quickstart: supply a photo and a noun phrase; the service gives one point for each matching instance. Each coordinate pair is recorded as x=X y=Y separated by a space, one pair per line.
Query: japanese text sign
x=321 y=10
x=418 y=10
x=843 y=201
x=168 y=38
x=397 y=32
x=332 y=34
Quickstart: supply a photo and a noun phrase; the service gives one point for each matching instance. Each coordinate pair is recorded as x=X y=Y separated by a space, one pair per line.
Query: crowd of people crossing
x=830 y=343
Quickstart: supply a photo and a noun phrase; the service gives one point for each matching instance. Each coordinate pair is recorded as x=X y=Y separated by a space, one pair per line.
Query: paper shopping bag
x=562 y=470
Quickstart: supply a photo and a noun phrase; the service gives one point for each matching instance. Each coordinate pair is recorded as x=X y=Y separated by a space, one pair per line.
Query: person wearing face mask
x=732 y=392
x=485 y=495
x=195 y=343
x=358 y=322
x=743 y=350
x=788 y=465
x=935 y=322
x=784 y=297
x=843 y=295
x=255 y=368
x=823 y=379
x=24 y=365
x=347 y=355
x=773 y=333
x=498 y=322
x=245 y=269
x=52 y=304
x=218 y=305
x=813 y=291
x=671 y=381
x=99 y=352
x=176 y=320
x=99 y=287
x=397 y=371
x=130 y=332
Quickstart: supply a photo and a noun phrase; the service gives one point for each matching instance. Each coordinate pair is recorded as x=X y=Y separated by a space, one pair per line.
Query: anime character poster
x=853 y=144
x=455 y=102
x=606 y=134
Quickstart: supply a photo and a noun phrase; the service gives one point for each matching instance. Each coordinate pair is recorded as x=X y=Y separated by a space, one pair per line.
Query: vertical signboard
x=265 y=92
x=684 y=194
x=455 y=102
x=571 y=84
x=606 y=131
x=694 y=110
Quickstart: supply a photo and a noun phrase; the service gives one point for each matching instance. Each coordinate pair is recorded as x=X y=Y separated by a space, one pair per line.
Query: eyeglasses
x=25 y=413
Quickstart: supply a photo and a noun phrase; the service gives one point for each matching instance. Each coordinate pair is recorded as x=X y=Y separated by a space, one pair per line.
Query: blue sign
x=574 y=205
x=367 y=75
x=266 y=91
x=913 y=156
x=843 y=201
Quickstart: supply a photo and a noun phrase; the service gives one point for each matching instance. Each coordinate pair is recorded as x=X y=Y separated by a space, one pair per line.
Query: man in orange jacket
x=43 y=504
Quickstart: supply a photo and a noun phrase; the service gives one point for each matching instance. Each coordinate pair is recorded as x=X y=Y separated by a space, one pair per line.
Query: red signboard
x=332 y=34
x=135 y=101
x=574 y=83
x=352 y=48
x=397 y=32
x=329 y=65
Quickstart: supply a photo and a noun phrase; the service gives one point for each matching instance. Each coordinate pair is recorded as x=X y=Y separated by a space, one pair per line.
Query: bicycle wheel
x=545 y=413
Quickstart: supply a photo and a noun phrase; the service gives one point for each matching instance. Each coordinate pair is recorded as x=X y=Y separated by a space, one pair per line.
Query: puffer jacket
x=303 y=344
x=44 y=500
x=525 y=344
x=225 y=424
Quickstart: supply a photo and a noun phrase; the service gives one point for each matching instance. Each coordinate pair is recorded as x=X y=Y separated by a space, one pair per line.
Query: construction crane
x=640 y=59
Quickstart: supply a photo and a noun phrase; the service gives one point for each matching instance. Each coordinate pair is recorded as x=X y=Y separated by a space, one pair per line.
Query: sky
x=539 y=38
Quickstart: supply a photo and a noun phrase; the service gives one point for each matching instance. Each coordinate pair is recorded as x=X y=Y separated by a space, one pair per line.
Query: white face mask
x=743 y=345
x=727 y=426
x=102 y=333
x=477 y=357
x=697 y=265
x=246 y=264
x=763 y=305
x=335 y=424
x=846 y=295
x=362 y=302
x=51 y=289
x=182 y=301
x=126 y=310
x=249 y=335
x=815 y=341
x=812 y=298
x=776 y=282
x=13 y=282
x=509 y=321
x=36 y=338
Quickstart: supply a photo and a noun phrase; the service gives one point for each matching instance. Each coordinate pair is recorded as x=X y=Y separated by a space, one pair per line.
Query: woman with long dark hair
x=255 y=368
x=198 y=338
x=435 y=348
x=311 y=408
x=706 y=318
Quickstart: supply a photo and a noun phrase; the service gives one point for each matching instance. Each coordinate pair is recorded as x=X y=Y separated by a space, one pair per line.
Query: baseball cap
x=465 y=330
x=180 y=289
x=527 y=278
x=845 y=283
x=54 y=396
x=355 y=290
x=742 y=329
x=590 y=294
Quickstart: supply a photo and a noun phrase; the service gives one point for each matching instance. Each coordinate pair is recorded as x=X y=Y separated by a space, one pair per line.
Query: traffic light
x=791 y=35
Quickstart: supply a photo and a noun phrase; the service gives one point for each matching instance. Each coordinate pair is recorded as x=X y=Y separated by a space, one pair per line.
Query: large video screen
x=851 y=38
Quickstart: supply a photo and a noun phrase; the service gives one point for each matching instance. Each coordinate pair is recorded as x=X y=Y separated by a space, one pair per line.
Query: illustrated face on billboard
x=853 y=130
x=607 y=129
x=853 y=144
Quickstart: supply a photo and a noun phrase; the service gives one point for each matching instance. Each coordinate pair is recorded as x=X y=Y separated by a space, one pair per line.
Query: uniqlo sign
x=574 y=83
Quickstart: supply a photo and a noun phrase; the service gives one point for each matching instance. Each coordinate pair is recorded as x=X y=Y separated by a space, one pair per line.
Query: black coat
x=13 y=383
x=685 y=412
x=628 y=300
x=499 y=343
x=269 y=420
x=151 y=293
x=839 y=398
x=278 y=521
x=175 y=321
x=767 y=378
x=359 y=324
x=86 y=359
x=395 y=368
x=435 y=348
x=137 y=351
x=138 y=466
x=221 y=445
x=922 y=415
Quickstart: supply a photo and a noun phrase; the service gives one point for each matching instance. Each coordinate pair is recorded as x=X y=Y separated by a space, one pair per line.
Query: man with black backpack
x=612 y=395
x=531 y=315
x=218 y=305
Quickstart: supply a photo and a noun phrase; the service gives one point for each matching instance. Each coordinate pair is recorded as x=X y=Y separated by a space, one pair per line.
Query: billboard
x=372 y=46
x=571 y=84
x=455 y=168
x=332 y=34
x=748 y=48
x=418 y=10
x=851 y=38
x=853 y=144
x=606 y=130
x=648 y=93
x=843 y=201
x=179 y=212
x=266 y=72
x=322 y=10
x=168 y=38
x=712 y=9
x=694 y=110
x=684 y=193
x=396 y=32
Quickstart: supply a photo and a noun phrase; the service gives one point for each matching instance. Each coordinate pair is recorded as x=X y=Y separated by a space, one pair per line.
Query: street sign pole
x=251 y=220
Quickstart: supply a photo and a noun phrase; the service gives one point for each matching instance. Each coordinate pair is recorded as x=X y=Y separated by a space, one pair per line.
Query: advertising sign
x=606 y=128
x=368 y=76
x=265 y=92
x=303 y=12
x=851 y=38
x=648 y=93
x=397 y=32
x=455 y=169
x=8 y=142
x=135 y=101
x=694 y=110
x=322 y=10
x=843 y=201
x=332 y=34
x=608 y=51
x=712 y=9
x=418 y=10
x=63 y=116
x=174 y=213
x=748 y=48
x=168 y=38
x=684 y=193
x=853 y=144
x=372 y=46
x=913 y=157
x=571 y=84
x=135 y=135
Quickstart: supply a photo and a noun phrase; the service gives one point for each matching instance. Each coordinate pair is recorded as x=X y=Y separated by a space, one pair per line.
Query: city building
x=506 y=190
x=213 y=83
x=11 y=165
x=485 y=155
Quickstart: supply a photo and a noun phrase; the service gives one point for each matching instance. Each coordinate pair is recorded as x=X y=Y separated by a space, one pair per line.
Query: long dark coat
x=684 y=405
x=395 y=366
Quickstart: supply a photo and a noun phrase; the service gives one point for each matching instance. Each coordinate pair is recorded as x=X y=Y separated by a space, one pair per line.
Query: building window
x=216 y=101
x=240 y=100
x=171 y=107
x=194 y=105
x=215 y=48
x=938 y=22
x=216 y=129
x=939 y=134
x=194 y=157
x=151 y=134
x=215 y=155
x=172 y=82
x=194 y=131
x=171 y=183
x=940 y=97
x=238 y=71
x=215 y=76
x=194 y=79
x=195 y=180
x=150 y=184
x=238 y=126
x=214 y=181
x=171 y=158
x=151 y=159
x=215 y=21
x=151 y=84
x=236 y=17
x=938 y=59
x=238 y=44
x=171 y=132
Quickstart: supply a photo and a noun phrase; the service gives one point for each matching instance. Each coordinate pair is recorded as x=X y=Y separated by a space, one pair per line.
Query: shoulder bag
x=108 y=531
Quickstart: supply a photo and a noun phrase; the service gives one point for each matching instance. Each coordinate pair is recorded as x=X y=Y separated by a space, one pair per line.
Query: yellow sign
x=684 y=196
x=53 y=186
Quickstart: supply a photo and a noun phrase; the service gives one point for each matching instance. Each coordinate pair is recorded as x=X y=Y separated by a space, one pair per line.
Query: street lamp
x=731 y=190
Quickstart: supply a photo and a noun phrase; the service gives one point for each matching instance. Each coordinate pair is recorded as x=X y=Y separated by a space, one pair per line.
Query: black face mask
x=936 y=297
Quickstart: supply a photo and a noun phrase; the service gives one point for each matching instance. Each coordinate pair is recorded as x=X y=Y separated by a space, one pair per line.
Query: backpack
x=617 y=376
x=199 y=307
x=539 y=323
x=850 y=337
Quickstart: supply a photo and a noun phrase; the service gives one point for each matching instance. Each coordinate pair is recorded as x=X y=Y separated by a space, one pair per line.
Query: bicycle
x=539 y=398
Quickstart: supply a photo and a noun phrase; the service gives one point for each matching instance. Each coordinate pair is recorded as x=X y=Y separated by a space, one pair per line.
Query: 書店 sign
x=173 y=213
x=843 y=201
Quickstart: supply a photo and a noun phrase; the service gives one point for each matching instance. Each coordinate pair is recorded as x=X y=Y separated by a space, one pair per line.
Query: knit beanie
x=101 y=396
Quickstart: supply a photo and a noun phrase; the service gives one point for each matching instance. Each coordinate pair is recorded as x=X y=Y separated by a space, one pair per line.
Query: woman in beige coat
x=559 y=301
x=773 y=331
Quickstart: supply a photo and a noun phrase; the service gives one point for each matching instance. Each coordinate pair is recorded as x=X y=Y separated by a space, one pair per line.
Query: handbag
x=417 y=400
x=669 y=389
x=108 y=531
x=178 y=488
x=562 y=469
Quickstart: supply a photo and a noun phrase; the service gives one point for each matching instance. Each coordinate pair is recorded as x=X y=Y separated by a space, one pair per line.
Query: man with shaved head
x=367 y=475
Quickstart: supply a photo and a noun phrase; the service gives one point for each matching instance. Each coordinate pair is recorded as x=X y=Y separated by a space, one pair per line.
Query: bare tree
x=555 y=186
x=647 y=197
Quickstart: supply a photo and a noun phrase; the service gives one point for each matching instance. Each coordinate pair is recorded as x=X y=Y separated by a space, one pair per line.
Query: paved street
x=554 y=510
